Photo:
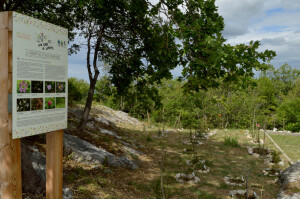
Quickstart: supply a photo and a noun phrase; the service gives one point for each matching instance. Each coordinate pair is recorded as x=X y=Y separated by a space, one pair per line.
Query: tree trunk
x=88 y=105
x=148 y=116
x=163 y=117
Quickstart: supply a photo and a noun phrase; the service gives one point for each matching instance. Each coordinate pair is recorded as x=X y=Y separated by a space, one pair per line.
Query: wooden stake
x=54 y=162
x=10 y=150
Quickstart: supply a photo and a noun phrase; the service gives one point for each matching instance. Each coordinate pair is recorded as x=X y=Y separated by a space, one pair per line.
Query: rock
x=85 y=152
x=290 y=180
x=177 y=176
x=250 y=150
x=281 y=163
x=188 y=178
x=131 y=151
x=103 y=121
x=283 y=195
x=67 y=193
x=90 y=125
x=78 y=113
x=38 y=161
x=204 y=170
x=261 y=141
x=104 y=131
x=256 y=155
x=228 y=179
x=212 y=133
x=234 y=193
x=32 y=182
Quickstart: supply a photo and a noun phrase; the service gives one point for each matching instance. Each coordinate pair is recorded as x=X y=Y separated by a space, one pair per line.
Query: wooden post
x=10 y=150
x=54 y=163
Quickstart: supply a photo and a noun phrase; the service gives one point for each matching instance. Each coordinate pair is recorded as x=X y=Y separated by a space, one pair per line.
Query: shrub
x=149 y=139
x=276 y=157
x=289 y=111
x=231 y=141
x=77 y=89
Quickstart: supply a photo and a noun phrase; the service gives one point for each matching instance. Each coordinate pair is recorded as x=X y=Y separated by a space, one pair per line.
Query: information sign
x=40 y=76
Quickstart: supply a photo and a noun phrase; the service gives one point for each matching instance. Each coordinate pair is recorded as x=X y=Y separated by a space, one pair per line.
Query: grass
x=231 y=141
x=223 y=160
x=142 y=183
x=289 y=144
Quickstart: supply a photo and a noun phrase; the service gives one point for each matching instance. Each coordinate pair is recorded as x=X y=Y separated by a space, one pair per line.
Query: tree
x=125 y=35
x=204 y=55
x=53 y=11
x=137 y=38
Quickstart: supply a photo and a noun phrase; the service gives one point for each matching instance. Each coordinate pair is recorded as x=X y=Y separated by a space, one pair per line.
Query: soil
x=260 y=151
x=237 y=181
x=244 y=196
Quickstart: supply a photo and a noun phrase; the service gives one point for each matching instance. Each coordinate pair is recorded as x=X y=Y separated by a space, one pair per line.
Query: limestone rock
x=32 y=182
x=67 y=193
x=85 y=152
x=234 y=193
x=290 y=179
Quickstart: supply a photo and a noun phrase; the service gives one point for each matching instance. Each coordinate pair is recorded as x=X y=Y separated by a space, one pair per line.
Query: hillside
x=115 y=158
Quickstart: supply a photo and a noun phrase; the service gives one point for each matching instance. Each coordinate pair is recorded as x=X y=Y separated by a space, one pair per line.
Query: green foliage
x=289 y=112
x=77 y=90
x=231 y=141
x=276 y=157
x=149 y=139
x=104 y=89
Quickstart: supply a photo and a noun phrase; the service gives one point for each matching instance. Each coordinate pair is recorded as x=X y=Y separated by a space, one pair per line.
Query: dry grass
x=109 y=183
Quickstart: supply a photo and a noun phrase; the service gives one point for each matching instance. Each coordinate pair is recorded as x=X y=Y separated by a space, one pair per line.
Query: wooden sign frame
x=10 y=149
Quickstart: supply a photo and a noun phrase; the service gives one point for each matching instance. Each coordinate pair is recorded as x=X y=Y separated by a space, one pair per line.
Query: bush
x=289 y=111
x=149 y=139
x=276 y=157
x=231 y=141
x=77 y=89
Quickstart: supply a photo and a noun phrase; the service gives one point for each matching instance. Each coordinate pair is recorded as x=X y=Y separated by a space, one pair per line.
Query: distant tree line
x=273 y=99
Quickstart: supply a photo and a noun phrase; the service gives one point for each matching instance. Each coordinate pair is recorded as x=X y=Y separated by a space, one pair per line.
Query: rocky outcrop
x=85 y=152
x=115 y=117
x=33 y=179
x=290 y=182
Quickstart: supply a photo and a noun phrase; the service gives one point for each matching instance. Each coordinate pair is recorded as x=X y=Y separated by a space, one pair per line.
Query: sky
x=275 y=23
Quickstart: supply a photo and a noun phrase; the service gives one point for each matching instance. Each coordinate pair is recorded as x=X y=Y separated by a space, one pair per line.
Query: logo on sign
x=44 y=42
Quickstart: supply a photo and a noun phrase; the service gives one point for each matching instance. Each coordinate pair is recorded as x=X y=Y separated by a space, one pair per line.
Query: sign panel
x=40 y=76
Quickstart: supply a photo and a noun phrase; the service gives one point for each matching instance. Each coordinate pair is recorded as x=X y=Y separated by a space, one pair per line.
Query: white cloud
x=273 y=22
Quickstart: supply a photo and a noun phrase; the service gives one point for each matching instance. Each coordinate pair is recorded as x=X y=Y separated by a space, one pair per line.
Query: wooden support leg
x=10 y=150
x=54 y=162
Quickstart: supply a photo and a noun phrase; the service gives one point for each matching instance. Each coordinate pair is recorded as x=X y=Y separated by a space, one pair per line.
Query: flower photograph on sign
x=60 y=87
x=36 y=104
x=49 y=87
x=23 y=105
x=49 y=103
x=23 y=86
x=37 y=86
x=60 y=102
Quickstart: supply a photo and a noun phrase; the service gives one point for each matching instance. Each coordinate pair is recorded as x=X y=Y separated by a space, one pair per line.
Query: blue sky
x=276 y=23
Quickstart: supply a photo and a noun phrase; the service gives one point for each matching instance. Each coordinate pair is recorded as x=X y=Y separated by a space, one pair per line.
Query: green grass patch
x=289 y=144
x=231 y=141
